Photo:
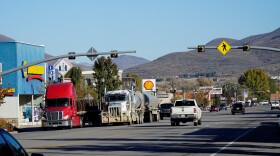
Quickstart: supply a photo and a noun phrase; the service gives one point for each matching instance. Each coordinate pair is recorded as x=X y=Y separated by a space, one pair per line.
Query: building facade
x=27 y=86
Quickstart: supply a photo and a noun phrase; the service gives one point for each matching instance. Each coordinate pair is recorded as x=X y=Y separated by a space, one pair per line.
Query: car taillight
x=194 y=110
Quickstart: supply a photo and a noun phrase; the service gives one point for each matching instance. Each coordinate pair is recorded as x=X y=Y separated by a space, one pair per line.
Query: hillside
x=127 y=61
x=234 y=63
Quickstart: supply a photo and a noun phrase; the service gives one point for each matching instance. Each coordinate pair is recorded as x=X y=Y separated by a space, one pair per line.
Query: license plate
x=183 y=116
x=237 y=108
x=54 y=125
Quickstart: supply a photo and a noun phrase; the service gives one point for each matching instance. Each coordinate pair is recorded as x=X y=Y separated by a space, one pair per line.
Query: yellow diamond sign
x=223 y=47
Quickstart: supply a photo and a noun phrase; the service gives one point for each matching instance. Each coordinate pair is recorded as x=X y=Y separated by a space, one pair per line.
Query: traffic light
x=201 y=48
x=246 y=47
x=71 y=57
x=114 y=55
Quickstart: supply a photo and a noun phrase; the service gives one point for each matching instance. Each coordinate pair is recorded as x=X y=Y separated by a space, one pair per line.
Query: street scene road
x=221 y=133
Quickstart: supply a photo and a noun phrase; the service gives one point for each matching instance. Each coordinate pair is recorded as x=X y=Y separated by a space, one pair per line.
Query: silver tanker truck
x=127 y=106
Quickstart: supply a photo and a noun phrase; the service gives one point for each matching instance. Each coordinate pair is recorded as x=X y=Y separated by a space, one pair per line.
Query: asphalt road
x=254 y=133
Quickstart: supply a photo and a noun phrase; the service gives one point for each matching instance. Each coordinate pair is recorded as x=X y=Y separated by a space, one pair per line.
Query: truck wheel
x=151 y=117
x=195 y=123
x=158 y=116
x=141 y=118
x=71 y=124
x=177 y=123
x=199 y=122
x=81 y=122
x=172 y=123
x=161 y=117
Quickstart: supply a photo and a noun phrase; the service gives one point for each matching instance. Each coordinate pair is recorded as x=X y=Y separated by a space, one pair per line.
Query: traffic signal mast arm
x=241 y=47
x=62 y=56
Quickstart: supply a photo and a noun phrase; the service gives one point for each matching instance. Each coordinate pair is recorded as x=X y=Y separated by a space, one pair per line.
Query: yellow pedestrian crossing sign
x=223 y=47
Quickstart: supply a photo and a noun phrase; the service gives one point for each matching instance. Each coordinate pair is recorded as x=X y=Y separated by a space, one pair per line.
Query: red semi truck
x=62 y=109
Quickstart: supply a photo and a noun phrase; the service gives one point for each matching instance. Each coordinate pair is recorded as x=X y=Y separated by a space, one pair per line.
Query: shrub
x=5 y=125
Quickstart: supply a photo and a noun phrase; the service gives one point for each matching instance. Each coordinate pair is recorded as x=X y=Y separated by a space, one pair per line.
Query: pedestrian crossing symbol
x=223 y=47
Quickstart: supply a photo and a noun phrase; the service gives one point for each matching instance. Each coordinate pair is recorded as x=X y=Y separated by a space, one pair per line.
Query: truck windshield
x=57 y=102
x=184 y=103
x=116 y=98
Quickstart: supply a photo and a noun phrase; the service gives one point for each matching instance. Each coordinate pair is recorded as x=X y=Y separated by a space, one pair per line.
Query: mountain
x=127 y=61
x=233 y=64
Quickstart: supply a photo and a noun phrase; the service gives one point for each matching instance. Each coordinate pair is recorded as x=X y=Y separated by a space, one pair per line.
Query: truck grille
x=53 y=116
x=115 y=111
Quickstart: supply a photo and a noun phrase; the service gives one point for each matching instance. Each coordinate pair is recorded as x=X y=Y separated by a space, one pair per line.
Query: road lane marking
x=233 y=141
x=32 y=149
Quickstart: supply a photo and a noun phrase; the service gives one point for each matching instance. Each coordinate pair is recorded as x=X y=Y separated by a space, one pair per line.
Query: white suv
x=274 y=105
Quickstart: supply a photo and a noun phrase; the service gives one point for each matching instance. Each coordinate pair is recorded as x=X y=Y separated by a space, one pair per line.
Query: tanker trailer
x=121 y=107
x=150 y=105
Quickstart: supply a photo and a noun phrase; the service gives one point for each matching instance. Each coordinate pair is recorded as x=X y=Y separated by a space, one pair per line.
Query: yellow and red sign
x=33 y=72
x=148 y=85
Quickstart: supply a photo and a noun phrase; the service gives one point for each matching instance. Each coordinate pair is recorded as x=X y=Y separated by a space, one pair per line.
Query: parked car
x=274 y=105
x=223 y=106
x=238 y=108
x=214 y=108
x=165 y=110
x=9 y=146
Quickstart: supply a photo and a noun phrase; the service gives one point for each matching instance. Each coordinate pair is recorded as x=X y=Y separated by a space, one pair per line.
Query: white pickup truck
x=185 y=111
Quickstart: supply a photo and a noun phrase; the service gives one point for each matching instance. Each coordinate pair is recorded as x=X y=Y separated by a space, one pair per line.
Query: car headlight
x=65 y=117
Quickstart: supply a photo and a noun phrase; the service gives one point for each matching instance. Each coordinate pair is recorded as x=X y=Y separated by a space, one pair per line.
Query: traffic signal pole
x=63 y=56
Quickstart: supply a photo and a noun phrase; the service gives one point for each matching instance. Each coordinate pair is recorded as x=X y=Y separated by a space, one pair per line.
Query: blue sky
x=153 y=28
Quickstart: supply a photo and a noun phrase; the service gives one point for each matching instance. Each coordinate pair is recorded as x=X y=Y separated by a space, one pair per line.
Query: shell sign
x=148 y=85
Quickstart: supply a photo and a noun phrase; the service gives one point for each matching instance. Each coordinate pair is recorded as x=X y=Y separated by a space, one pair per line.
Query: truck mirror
x=42 y=106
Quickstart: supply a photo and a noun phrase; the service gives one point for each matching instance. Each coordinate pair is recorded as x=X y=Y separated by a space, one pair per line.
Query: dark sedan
x=10 y=146
x=214 y=108
x=165 y=110
x=223 y=107
x=238 y=108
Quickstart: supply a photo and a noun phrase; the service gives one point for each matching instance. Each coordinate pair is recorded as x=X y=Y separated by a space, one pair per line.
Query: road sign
x=92 y=51
x=223 y=47
x=216 y=91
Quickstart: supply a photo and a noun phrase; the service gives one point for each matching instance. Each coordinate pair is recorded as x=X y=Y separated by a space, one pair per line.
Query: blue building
x=26 y=87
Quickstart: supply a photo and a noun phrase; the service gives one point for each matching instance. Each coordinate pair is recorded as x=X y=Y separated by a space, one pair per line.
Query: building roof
x=4 y=38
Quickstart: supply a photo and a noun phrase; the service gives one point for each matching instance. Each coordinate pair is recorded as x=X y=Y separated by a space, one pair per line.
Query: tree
x=75 y=74
x=3 y=92
x=257 y=81
x=137 y=79
x=274 y=87
x=203 y=81
x=105 y=68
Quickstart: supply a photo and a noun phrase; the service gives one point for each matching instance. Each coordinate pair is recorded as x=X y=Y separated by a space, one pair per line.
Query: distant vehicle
x=238 y=108
x=248 y=103
x=185 y=111
x=223 y=107
x=214 y=108
x=264 y=102
x=274 y=105
x=165 y=110
x=10 y=146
